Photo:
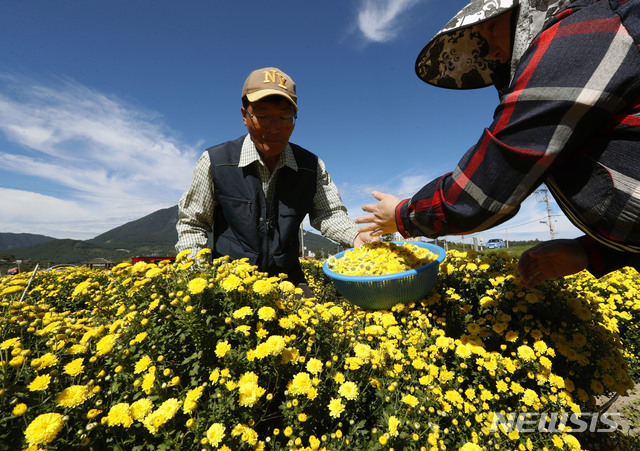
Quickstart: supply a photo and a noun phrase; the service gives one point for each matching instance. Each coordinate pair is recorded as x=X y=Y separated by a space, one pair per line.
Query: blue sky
x=105 y=106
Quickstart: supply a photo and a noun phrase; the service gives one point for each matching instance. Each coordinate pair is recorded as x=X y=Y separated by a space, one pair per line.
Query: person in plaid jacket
x=568 y=76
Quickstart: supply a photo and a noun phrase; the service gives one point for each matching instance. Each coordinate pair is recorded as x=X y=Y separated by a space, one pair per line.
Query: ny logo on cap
x=270 y=77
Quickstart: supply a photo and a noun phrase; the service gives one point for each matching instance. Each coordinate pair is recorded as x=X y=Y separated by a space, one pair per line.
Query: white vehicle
x=496 y=243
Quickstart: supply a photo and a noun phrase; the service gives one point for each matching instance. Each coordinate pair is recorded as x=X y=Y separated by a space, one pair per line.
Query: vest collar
x=249 y=155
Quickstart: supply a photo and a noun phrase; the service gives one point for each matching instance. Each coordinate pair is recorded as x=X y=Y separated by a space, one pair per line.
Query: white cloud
x=380 y=20
x=107 y=162
x=29 y=212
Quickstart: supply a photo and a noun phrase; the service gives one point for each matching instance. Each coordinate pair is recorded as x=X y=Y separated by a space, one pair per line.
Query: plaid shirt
x=570 y=119
x=196 y=206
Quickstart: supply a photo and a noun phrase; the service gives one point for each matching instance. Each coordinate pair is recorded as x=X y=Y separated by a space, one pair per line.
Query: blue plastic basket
x=384 y=291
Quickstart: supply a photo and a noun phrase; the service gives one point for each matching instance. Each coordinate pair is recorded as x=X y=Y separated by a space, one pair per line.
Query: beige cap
x=269 y=81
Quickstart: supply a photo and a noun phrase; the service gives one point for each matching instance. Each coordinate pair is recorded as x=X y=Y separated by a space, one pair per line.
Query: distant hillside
x=64 y=251
x=319 y=245
x=15 y=240
x=153 y=235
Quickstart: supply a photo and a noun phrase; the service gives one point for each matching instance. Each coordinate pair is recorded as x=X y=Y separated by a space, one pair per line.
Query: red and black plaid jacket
x=569 y=119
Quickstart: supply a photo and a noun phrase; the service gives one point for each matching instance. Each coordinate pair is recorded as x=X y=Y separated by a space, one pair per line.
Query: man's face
x=270 y=125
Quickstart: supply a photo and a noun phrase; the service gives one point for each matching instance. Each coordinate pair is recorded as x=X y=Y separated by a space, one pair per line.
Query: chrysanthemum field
x=217 y=356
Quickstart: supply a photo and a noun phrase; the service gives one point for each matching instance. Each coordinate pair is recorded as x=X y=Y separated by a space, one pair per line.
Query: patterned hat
x=456 y=57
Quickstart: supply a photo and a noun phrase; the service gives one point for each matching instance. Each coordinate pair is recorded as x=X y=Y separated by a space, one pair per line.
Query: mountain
x=319 y=245
x=14 y=240
x=154 y=234
x=151 y=235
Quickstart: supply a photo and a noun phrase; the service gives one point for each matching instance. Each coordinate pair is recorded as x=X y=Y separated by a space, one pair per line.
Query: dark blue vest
x=242 y=227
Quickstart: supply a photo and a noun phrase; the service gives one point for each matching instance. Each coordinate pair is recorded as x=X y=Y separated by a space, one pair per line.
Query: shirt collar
x=249 y=154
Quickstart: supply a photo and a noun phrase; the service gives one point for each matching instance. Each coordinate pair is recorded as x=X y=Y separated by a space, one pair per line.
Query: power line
x=543 y=219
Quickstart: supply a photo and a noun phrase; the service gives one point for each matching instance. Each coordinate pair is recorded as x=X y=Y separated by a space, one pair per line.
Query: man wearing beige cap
x=254 y=192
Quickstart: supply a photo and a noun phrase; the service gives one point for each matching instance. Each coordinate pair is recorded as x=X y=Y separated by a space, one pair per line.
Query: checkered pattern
x=197 y=205
x=569 y=119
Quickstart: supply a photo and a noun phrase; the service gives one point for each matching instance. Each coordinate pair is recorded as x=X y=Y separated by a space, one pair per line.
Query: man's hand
x=364 y=237
x=383 y=215
x=556 y=258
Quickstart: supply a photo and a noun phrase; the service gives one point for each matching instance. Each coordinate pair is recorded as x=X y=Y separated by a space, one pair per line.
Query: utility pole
x=544 y=194
x=301 y=240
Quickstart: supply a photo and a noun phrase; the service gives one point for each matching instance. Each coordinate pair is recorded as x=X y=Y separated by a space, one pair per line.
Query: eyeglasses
x=267 y=121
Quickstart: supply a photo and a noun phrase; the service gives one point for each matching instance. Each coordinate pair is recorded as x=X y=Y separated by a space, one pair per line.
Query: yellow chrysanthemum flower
x=105 y=345
x=40 y=383
x=141 y=408
x=300 y=384
x=197 y=285
x=314 y=366
x=156 y=419
x=10 y=343
x=572 y=443
x=246 y=434
x=191 y=400
x=203 y=253
x=139 y=338
x=92 y=413
x=410 y=400
x=463 y=351
x=16 y=361
x=142 y=364
x=526 y=353
x=77 y=349
x=394 y=424
x=222 y=348
x=48 y=360
x=75 y=367
x=267 y=313
x=242 y=312
x=231 y=282
x=120 y=415
x=215 y=434
x=44 y=428
x=80 y=288
x=148 y=380
x=348 y=390
x=249 y=391
x=183 y=255
x=19 y=409
x=335 y=408
x=470 y=446
x=73 y=396
x=263 y=287
x=12 y=289
x=286 y=287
